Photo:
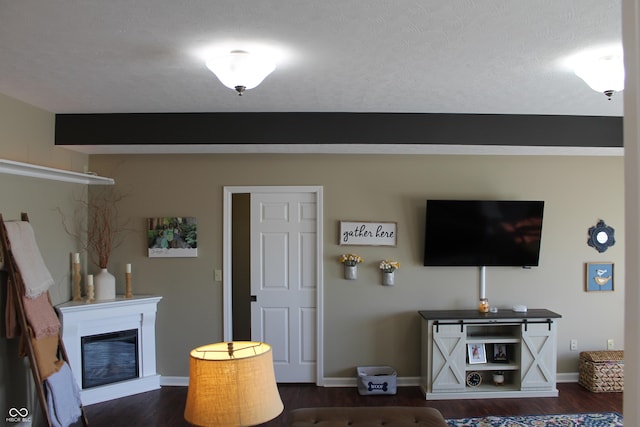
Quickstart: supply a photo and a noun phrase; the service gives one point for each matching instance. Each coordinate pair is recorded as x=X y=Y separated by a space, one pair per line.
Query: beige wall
x=366 y=323
x=26 y=135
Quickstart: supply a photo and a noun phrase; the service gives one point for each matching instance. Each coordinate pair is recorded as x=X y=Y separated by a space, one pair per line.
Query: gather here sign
x=366 y=233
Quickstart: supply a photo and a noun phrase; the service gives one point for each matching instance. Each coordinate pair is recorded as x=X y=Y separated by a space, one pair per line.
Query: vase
x=388 y=278
x=105 y=285
x=350 y=272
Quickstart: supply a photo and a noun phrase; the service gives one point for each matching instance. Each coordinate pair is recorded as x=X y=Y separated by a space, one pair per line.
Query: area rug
x=598 y=419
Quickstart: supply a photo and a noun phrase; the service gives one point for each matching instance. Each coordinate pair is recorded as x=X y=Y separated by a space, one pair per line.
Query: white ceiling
x=427 y=56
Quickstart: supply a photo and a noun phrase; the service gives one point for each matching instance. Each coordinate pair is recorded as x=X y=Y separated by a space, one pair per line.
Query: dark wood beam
x=338 y=128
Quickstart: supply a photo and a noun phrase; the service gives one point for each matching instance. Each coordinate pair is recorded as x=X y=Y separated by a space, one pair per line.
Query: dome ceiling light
x=241 y=70
x=604 y=74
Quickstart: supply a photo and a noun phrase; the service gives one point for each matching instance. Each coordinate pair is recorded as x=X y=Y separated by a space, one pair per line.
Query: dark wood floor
x=164 y=407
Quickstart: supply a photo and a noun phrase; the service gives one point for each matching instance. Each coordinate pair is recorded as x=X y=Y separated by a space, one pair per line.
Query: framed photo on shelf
x=477 y=353
x=500 y=353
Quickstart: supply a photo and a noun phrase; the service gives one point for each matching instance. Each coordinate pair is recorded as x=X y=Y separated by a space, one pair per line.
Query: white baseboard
x=339 y=382
x=571 y=377
x=167 y=381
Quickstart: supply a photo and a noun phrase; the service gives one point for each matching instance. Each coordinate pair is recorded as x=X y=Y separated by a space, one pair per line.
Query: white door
x=283 y=281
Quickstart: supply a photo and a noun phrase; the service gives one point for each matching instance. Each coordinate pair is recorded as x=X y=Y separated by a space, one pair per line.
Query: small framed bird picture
x=599 y=276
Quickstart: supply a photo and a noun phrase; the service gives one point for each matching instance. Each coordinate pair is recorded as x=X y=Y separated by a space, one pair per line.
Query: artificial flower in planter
x=351 y=262
x=388 y=271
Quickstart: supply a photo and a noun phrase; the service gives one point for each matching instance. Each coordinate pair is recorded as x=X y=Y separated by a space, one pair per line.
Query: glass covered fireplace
x=111 y=346
x=109 y=358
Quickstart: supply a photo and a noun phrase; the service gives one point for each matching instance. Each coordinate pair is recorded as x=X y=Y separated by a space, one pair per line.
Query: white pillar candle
x=91 y=295
x=76 y=258
x=128 y=268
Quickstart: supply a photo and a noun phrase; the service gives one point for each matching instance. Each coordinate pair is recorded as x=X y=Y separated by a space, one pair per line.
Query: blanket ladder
x=15 y=281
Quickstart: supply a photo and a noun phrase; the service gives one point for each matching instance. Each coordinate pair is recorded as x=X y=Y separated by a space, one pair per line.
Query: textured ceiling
x=455 y=56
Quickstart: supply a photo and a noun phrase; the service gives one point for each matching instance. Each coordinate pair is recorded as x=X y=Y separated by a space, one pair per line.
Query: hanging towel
x=41 y=316
x=63 y=397
x=35 y=275
x=46 y=352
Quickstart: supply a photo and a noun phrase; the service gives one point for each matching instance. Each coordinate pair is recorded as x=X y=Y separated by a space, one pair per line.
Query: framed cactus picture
x=172 y=237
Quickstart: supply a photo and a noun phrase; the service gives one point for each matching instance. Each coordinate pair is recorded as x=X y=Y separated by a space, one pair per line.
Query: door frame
x=227 y=279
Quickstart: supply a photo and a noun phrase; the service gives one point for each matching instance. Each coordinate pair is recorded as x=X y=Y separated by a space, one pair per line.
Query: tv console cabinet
x=467 y=354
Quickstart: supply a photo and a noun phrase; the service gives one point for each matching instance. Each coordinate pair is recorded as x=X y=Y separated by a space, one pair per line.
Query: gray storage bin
x=376 y=380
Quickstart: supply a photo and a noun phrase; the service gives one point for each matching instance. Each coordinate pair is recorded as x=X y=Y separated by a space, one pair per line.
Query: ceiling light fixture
x=241 y=70
x=604 y=74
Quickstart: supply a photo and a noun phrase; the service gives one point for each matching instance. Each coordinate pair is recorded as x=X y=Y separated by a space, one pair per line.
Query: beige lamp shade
x=232 y=384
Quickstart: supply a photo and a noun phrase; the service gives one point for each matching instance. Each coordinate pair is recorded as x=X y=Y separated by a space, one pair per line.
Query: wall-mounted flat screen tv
x=483 y=233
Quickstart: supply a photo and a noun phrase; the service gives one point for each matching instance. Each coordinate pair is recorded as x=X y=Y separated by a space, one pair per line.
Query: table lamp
x=232 y=384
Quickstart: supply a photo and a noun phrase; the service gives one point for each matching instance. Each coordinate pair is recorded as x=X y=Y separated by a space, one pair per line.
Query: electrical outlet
x=610 y=344
x=573 y=345
x=217 y=275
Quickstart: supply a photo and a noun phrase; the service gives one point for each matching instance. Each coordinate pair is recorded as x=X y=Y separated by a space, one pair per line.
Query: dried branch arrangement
x=103 y=229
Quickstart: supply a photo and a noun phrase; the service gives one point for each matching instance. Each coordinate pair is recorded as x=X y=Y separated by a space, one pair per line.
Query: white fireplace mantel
x=81 y=319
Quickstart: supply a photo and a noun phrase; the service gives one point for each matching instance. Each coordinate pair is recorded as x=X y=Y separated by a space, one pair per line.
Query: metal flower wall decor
x=601 y=236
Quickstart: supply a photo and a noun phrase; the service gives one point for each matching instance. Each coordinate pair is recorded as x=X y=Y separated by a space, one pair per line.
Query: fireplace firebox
x=109 y=358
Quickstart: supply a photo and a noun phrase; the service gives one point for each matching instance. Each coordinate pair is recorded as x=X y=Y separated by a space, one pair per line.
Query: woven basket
x=602 y=371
